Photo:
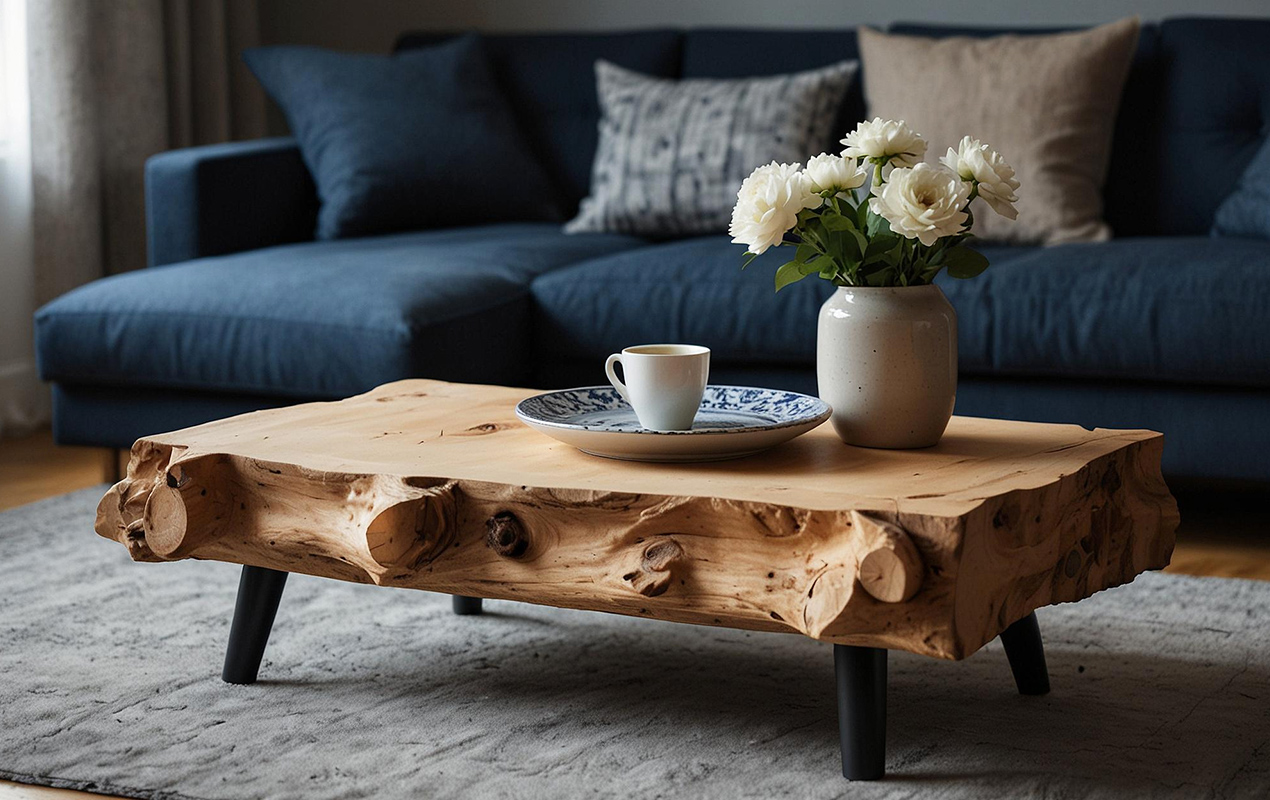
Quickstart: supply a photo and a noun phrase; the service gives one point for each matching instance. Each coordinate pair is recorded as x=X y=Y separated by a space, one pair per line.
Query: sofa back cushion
x=1136 y=144
x=739 y=53
x=673 y=152
x=549 y=80
x=1213 y=118
x=404 y=142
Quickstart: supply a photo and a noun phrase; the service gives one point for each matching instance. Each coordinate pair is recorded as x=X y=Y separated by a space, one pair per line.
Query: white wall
x=24 y=400
x=373 y=24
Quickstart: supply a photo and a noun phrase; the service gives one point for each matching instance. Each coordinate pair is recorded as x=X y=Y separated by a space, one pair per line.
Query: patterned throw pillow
x=673 y=153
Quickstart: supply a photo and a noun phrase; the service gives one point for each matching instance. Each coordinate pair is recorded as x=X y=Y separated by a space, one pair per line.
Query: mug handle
x=616 y=358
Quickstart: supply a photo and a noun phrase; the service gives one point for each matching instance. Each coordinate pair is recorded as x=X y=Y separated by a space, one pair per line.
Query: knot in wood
x=656 y=567
x=661 y=554
x=505 y=535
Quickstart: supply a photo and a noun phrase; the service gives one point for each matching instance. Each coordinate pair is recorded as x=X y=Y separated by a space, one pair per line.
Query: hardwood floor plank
x=33 y=468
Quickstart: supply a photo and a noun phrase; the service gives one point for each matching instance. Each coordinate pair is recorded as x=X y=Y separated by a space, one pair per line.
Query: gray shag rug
x=109 y=682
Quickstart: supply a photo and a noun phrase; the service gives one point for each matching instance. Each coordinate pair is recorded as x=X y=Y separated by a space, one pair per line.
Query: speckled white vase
x=886 y=360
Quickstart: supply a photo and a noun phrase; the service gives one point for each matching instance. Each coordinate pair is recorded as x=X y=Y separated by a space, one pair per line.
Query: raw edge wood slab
x=437 y=486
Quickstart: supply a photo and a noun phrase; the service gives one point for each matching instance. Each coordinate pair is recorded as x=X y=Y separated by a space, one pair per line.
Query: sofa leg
x=861 y=677
x=1023 y=648
x=259 y=591
x=466 y=606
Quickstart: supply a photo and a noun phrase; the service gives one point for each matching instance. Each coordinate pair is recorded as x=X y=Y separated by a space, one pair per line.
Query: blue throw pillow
x=421 y=139
x=1246 y=212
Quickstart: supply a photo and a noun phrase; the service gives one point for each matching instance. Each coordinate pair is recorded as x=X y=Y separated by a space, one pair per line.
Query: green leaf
x=962 y=262
x=879 y=246
x=877 y=225
x=883 y=277
x=748 y=258
x=861 y=242
x=837 y=222
x=825 y=265
x=787 y=273
x=803 y=252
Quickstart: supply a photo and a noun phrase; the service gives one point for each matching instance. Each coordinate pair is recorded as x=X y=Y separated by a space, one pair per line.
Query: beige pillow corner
x=1047 y=103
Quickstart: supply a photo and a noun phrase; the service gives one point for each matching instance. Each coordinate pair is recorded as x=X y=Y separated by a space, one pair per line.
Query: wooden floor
x=1222 y=533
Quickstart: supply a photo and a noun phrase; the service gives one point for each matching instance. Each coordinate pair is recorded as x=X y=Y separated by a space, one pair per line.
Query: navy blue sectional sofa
x=1165 y=327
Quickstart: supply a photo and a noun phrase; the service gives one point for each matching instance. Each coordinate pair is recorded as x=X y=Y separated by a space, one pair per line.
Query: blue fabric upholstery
x=688 y=291
x=1213 y=117
x=223 y=198
x=1154 y=309
x=1246 y=212
x=550 y=81
x=116 y=416
x=1187 y=309
x=320 y=319
x=422 y=139
x=739 y=53
x=1136 y=156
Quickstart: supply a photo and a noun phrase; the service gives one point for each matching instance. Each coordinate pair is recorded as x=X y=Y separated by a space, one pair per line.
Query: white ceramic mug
x=664 y=383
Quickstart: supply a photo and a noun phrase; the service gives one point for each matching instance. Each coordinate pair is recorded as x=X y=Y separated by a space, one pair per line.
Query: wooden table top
x=449 y=430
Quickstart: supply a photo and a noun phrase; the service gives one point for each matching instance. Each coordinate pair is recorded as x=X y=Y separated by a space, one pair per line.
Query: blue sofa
x=1165 y=327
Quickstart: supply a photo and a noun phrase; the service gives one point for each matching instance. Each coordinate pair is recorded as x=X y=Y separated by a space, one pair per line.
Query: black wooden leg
x=259 y=591
x=1022 y=642
x=861 y=673
x=464 y=606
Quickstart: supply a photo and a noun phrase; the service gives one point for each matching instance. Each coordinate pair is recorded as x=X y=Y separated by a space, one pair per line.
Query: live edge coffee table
x=437 y=486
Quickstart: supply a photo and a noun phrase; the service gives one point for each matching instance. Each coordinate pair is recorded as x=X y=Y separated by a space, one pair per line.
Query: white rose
x=924 y=202
x=888 y=139
x=975 y=161
x=830 y=173
x=767 y=205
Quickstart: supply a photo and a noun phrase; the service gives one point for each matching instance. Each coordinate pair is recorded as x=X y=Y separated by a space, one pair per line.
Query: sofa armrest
x=225 y=198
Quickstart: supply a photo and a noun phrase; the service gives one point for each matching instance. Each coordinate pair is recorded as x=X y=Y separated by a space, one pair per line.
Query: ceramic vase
x=886 y=361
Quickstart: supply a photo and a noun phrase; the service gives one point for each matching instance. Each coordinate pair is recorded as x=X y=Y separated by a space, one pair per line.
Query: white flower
x=767 y=205
x=829 y=173
x=975 y=161
x=892 y=140
x=924 y=202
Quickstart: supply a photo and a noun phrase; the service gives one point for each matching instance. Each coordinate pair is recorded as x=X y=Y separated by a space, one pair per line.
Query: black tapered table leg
x=259 y=591
x=1022 y=643
x=861 y=674
x=465 y=606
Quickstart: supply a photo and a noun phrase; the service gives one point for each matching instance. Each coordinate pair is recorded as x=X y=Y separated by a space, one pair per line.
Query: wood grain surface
x=437 y=486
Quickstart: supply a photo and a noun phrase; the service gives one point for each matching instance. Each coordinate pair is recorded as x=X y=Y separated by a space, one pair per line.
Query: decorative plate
x=734 y=421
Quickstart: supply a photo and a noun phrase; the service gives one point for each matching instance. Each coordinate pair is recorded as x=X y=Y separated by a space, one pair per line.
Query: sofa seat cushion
x=1181 y=309
x=685 y=291
x=320 y=319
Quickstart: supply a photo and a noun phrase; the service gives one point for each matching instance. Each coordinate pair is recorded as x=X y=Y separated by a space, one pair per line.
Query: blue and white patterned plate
x=734 y=421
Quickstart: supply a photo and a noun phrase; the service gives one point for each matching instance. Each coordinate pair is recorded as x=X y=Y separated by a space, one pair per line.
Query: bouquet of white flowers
x=912 y=220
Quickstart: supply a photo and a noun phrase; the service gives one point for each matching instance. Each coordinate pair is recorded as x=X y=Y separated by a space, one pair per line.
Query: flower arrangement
x=911 y=221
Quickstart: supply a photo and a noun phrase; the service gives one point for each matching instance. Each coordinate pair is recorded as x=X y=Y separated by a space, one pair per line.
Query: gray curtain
x=112 y=83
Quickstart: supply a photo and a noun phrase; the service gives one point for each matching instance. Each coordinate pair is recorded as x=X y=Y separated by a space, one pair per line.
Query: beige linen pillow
x=1046 y=103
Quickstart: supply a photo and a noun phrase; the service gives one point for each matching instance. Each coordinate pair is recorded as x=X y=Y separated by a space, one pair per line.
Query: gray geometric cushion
x=673 y=153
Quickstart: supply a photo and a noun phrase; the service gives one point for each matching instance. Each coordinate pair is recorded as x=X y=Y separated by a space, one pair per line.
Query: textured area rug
x=109 y=681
